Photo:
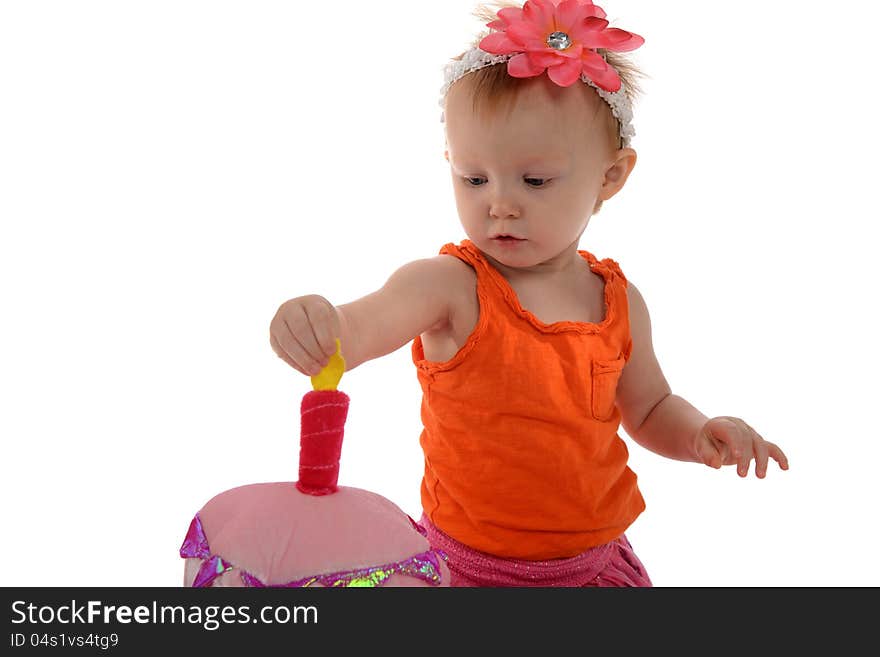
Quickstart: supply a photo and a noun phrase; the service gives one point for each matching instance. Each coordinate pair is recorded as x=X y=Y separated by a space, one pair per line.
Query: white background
x=170 y=172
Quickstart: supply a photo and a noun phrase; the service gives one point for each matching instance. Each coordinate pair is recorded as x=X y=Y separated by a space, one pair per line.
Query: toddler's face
x=534 y=174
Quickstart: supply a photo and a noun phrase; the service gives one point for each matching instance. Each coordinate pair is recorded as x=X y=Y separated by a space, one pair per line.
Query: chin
x=516 y=256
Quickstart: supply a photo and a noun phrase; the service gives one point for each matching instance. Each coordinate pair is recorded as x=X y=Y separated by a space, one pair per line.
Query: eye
x=535 y=182
x=475 y=181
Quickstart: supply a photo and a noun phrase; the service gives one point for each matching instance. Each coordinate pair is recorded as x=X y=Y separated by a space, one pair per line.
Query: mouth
x=507 y=238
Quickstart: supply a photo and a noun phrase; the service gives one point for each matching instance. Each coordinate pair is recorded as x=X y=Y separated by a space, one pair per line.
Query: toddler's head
x=538 y=127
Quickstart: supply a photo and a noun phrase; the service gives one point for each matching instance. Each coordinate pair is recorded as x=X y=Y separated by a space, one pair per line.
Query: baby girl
x=530 y=352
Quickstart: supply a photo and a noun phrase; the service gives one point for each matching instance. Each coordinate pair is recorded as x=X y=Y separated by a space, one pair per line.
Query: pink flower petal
x=589 y=8
x=539 y=12
x=545 y=58
x=569 y=14
x=498 y=43
x=574 y=51
x=566 y=73
x=510 y=14
x=588 y=31
x=521 y=66
x=526 y=34
x=619 y=40
x=594 y=24
x=598 y=70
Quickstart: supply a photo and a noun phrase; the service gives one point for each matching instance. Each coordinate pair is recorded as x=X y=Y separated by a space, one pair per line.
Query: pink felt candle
x=322 y=424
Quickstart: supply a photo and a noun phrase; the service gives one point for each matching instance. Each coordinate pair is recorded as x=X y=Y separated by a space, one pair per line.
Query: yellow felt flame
x=328 y=378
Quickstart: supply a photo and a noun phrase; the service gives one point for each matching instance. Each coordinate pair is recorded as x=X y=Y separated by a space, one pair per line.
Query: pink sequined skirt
x=611 y=565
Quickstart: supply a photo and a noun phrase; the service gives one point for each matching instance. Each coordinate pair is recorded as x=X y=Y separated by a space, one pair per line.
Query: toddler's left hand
x=729 y=440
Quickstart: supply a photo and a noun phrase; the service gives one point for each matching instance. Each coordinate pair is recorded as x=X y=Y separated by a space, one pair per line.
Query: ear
x=624 y=161
x=446 y=155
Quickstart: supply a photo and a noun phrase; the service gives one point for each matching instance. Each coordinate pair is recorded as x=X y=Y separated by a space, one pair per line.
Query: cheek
x=583 y=193
x=467 y=204
x=568 y=205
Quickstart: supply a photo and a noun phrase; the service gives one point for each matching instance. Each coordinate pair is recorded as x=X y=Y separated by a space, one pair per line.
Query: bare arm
x=668 y=424
x=416 y=297
x=655 y=418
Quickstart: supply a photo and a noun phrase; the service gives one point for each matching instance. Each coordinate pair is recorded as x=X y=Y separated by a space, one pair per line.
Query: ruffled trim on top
x=613 y=266
x=607 y=268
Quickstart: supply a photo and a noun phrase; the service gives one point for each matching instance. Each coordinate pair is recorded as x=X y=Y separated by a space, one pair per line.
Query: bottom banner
x=140 y=620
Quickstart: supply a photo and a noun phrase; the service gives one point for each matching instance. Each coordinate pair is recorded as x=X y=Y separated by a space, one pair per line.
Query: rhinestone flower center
x=558 y=41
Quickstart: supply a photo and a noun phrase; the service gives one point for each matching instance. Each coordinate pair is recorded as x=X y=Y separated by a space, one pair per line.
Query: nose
x=502 y=206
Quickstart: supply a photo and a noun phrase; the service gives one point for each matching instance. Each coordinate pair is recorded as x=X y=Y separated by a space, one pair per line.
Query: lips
x=507 y=238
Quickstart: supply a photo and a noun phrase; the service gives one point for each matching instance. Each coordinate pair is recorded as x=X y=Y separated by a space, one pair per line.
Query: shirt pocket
x=605 y=375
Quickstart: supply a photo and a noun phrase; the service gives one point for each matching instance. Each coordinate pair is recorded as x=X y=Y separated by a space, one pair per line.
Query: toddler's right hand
x=303 y=333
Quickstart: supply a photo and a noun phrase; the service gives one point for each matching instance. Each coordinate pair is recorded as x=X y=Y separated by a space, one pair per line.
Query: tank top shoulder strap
x=492 y=288
x=607 y=265
x=614 y=267
x=618 y=282
x=487 y=276
x=465 y=251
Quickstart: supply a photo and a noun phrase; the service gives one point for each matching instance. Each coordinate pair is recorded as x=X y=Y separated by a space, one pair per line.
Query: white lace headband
x=562 y=41
x=475 y=59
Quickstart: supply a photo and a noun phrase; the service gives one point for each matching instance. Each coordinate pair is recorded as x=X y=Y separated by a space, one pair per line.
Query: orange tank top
x=522 y=455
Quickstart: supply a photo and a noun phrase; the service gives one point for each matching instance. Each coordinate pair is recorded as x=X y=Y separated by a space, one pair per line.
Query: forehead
x=537 y=115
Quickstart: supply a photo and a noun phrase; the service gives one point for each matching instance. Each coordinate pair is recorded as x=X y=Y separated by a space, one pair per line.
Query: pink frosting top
x=279 y=535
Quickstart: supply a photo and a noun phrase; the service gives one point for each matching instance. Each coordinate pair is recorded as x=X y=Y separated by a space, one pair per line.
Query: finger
x=727 y=434
x=281 y=353
x=744 y=451
x=777 y=455
x=325 y=327
x=750 y=430
x=760 y=449
x=295 y=356
x=304 y=351
x=709 y=454
x=290 y=333
x=761 y=455
x=742 y=439
x=297 y=336
x=305 y=332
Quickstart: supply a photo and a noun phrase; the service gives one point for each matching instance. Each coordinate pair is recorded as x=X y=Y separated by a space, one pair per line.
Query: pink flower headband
x=561 y=38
